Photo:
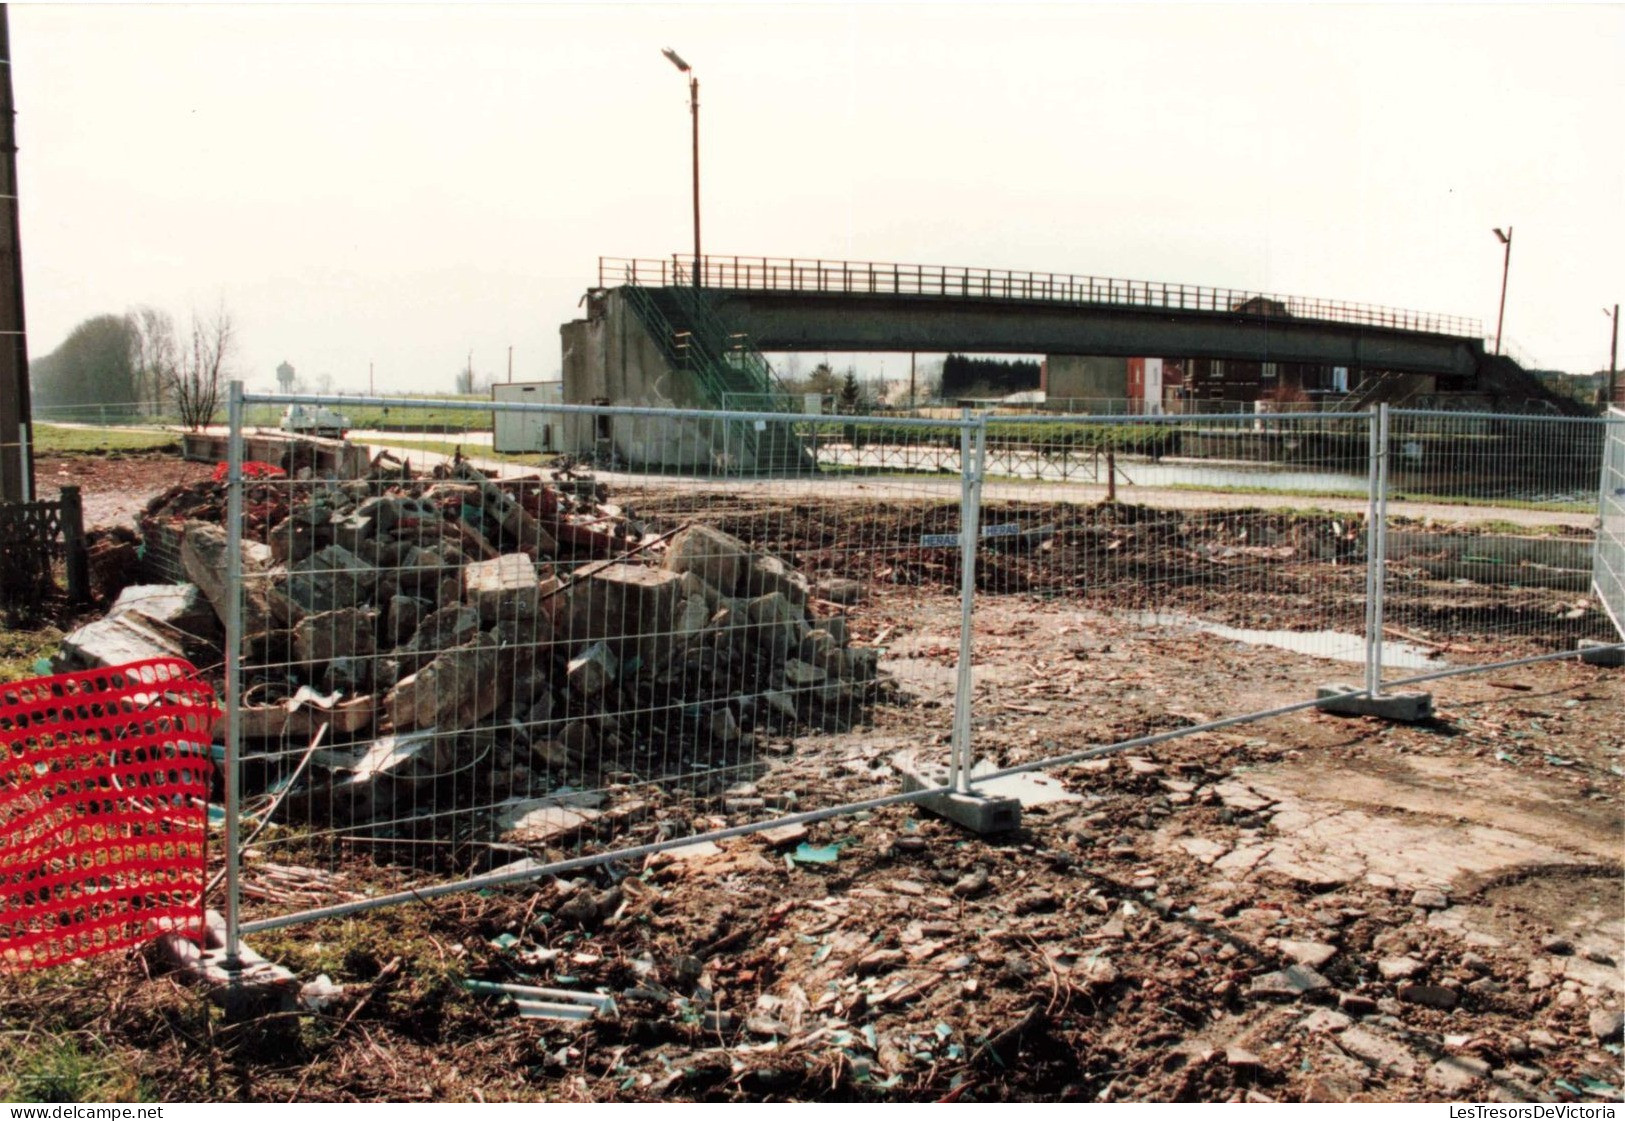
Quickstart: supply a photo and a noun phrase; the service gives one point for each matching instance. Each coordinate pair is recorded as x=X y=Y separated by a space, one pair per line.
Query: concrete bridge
x=654 y=337
x=791 y=304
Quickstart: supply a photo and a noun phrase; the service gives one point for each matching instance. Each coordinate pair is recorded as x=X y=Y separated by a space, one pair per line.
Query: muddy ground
x=1309 y=907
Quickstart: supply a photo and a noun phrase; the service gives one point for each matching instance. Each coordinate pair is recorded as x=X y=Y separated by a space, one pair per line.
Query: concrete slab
x=980 y=812
x=1346 y=700
x=119 y=639
x=180 y=605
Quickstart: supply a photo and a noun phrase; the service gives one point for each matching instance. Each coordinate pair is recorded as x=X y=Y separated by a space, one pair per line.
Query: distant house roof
x=1261 y=305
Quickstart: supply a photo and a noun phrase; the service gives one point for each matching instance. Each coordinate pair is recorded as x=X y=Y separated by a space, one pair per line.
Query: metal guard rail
x=791 y=274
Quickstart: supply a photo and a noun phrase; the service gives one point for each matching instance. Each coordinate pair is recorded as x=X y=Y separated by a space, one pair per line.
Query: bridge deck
x=872 y=278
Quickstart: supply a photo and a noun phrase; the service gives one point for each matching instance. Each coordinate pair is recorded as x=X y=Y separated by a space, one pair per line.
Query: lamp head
x=1506 y=238
x=676 y=59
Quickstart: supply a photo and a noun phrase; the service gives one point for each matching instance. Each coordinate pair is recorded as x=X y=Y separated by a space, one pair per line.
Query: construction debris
x=525 y=628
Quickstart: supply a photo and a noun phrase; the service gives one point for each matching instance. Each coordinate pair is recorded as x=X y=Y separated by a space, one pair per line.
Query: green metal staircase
x=730 y=373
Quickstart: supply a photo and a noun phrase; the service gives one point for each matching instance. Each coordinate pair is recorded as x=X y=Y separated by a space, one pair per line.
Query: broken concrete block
x=182 y=606
x=724 y=728
x=353 y=531
x=118 y=639
x=692 y=619
x=768 y=575
x=504 y=588
x=838 y=589
x=777 y=624
x=348 y=675
x=593 y=671
x=578 y=739
x=550 y=753
x=440 y=630
x=799 y=674
x=203 y=555
x=780 y=702
x=501 y=507
x=860 y=663
x=694 y=585
x=403 y=617
x=346 y=633
x=630 y=606
x=326 y=580
x=387 y=513
x=715 y=557
x=455 y=691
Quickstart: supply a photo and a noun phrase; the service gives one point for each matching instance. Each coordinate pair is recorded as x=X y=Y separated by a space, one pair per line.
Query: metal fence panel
x=464 y=667
x=1608 y=569
x=1213 y=536
x=1491 y=534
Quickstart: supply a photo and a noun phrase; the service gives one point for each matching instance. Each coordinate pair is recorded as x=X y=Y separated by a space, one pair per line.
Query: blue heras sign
x=950 y=540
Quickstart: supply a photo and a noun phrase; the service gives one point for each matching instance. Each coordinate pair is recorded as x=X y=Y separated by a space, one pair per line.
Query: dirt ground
x=1306 y=908
x=114 y=486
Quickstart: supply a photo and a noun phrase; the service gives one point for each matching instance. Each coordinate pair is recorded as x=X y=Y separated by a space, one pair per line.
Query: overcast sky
x=403 y=184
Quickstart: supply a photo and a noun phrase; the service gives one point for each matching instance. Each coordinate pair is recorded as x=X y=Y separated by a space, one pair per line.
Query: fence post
x=234 y=647
x=73 y=545
x=1380 y=582
x=971 y=463
x=1376 y=543
x=1372 y=639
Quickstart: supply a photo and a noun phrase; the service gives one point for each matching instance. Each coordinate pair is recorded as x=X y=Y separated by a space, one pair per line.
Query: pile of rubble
x=399 y=630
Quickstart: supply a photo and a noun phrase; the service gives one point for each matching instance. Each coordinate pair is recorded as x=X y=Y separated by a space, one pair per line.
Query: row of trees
x=139 y=359
x=987 y=377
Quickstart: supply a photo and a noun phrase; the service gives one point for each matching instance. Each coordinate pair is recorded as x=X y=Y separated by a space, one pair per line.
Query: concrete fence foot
x=1594 y=653
x=980 y=813
x=1346 y=700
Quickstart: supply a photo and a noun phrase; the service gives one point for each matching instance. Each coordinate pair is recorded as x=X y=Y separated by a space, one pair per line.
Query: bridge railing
x=792 y=274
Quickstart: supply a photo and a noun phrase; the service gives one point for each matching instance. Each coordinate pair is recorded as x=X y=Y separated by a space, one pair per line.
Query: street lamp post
x=1506 y=265
x=1613 y=358
x=694 y=111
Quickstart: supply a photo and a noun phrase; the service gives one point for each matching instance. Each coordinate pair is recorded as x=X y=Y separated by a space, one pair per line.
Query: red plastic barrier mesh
x=104 y=785
x=252 y=469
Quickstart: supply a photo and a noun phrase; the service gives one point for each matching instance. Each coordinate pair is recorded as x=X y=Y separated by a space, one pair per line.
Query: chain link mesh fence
x=464 y=667
x=1492 y=533
x=464 y=664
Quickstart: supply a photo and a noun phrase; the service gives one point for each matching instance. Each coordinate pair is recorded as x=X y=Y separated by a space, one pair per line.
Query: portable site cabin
x=528 y=431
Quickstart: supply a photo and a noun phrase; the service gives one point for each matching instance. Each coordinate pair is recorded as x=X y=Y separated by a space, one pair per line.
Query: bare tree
x=200 y=368
x=155 y=354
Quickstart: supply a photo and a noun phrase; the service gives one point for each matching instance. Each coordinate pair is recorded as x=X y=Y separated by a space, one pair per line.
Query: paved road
x=947 y=488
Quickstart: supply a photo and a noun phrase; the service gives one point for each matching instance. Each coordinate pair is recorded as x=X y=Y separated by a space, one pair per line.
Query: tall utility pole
x=16 y=422
x=369 y=380
x=694 y=111
x=1506 y=266
x=1613 y=360
x=510 y=363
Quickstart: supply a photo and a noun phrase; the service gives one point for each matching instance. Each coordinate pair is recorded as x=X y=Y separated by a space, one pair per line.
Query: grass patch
x=49 y=1067
x=1498 y=503
x=52 y=439
x=1399 y=496
x=371 y=416
x=20 y=649
x=471 y=451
